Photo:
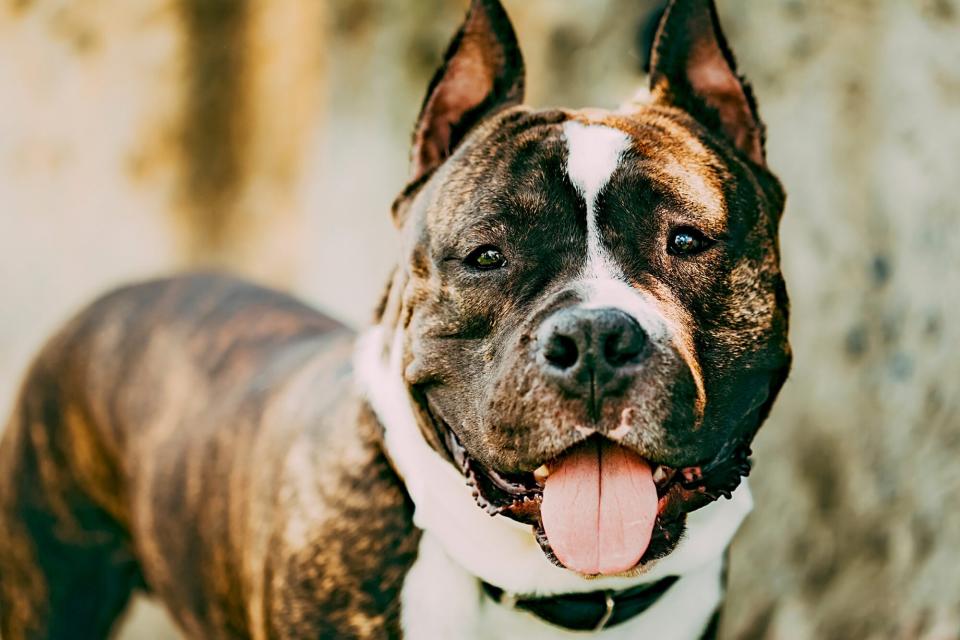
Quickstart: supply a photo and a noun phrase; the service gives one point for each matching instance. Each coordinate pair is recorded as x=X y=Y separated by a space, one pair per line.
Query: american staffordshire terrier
x=543 y=434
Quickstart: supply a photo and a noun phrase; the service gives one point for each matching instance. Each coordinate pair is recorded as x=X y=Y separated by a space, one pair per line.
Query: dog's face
x=593 y=319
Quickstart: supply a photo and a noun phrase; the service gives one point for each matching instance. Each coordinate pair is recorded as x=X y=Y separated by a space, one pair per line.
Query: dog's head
x=591 y=313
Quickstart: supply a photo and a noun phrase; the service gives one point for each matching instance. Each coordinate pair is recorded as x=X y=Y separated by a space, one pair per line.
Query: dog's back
x=143 y=404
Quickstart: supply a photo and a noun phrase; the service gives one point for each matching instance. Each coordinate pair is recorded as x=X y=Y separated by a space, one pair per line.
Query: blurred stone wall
x=269 y=136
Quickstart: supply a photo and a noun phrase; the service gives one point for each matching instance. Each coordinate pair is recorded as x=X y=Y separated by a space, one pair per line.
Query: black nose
x=591 y=352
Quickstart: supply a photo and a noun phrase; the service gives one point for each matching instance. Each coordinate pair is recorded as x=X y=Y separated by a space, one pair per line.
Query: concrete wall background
x=270 y=137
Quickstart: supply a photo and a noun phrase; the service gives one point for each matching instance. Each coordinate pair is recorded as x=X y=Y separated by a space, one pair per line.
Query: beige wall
x=270 y=137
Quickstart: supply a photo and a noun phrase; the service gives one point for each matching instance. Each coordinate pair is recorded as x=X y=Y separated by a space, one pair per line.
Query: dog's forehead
x=522 y=151
x=667 y=149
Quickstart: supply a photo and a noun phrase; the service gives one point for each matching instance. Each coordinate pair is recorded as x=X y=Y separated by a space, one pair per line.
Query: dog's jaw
x=496 y=549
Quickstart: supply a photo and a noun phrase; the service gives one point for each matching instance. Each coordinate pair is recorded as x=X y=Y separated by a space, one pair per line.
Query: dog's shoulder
x=345 y=537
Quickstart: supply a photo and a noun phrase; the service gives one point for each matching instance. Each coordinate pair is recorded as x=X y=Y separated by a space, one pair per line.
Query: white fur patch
x=618 y=294
x=682 y=613
x=439 y=598
x=593 y=154
x=442 y=600
x=460 y=539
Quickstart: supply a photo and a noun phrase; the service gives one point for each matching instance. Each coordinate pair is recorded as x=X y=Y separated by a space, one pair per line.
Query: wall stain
x=213 y=135
x=881 y=270
x=856 y=342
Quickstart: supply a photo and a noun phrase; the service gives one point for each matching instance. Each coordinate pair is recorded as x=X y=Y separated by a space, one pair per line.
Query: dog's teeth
x=659 y=474
x=541 y=474
x=692 y=474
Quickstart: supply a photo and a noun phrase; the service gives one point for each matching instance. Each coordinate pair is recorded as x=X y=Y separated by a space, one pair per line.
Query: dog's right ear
x=481 y=74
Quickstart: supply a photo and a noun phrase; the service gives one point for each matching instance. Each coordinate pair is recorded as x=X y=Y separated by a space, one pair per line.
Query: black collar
x=591 y=611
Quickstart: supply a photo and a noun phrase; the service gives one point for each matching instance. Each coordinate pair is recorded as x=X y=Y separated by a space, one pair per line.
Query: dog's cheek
x=448 y=358
x=447 y=352
x=511 y=411
x=746 y=348
x=526 y=420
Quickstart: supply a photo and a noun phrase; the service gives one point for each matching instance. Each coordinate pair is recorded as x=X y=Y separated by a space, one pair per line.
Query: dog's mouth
x=599 y=508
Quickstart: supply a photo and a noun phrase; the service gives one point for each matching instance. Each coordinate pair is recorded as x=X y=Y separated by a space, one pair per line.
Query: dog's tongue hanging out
x=599 y=506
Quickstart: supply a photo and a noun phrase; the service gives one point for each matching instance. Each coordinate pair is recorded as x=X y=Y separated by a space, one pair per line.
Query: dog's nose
x=591 y=352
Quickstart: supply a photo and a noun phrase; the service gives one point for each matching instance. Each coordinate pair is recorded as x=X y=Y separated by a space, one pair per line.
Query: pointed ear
x=692 y=67
x=482 y=73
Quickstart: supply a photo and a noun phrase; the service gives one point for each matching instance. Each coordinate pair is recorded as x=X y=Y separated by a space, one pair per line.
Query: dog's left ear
x=482 y=73
x=692 y=67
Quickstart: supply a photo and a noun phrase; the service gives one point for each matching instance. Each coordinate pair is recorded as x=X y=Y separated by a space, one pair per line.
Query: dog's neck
x=498 y=550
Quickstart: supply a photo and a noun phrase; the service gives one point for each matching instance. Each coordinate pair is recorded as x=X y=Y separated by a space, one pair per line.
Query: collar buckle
x=611 y=604
x=588 y=611
x=508 y=599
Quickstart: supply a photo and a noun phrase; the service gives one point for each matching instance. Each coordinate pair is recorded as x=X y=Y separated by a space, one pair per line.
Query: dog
x=543 y=434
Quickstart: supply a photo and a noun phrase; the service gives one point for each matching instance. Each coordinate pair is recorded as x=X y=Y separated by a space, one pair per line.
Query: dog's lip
x=518 y=495
x=525 y=486
x=515 y=494
x=718 y=477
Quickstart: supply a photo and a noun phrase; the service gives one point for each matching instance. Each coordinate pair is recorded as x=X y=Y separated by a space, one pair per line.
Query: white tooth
x=541 y=473
x=659 y=474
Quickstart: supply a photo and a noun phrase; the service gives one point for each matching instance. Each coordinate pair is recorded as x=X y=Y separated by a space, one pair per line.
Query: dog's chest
x=442 y=600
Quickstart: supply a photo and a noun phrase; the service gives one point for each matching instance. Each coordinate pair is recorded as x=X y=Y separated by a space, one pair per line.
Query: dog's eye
x=687 y=241
x=485 y=258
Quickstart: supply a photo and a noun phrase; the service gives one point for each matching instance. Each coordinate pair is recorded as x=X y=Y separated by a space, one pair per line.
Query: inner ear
x=482 y=73
x=693 y=68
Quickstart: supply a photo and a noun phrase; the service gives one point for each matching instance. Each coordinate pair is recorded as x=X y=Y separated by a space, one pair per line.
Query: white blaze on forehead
x=593 y=154
x=594 y=151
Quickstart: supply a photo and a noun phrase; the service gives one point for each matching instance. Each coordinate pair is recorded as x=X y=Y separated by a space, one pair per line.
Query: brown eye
x=687 y=241
x=485 y=258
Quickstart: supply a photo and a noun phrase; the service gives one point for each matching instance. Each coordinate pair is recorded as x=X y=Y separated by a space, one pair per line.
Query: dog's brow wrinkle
x=698 y=188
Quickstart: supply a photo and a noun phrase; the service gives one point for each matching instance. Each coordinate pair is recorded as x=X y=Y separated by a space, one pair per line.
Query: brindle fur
x=199 y=438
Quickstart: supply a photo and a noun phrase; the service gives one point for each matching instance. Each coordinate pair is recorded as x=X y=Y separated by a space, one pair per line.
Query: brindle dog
x=583 y=297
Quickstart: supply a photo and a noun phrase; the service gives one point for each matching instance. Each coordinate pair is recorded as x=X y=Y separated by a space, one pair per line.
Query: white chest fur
x=442 y=600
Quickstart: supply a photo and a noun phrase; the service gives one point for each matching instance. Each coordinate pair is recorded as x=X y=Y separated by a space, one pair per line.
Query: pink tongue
x=599 y=506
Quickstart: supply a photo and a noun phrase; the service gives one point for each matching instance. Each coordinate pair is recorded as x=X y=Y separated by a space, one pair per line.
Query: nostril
x=622 y=348
x=561 y=351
